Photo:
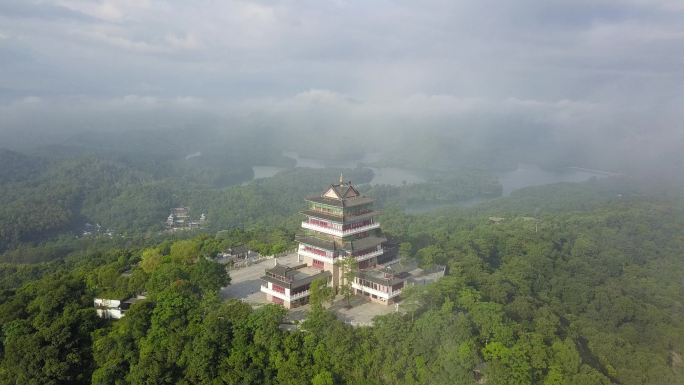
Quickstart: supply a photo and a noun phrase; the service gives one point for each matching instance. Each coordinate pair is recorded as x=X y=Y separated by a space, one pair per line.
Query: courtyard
x=245 y=285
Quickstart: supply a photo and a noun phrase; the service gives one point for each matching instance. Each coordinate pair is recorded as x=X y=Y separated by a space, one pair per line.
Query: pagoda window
x=316 y=251
x=319 y=222
x=326 y=209
x=330 y=225
x=279 y=289
x=317 y=264
x=356 y=225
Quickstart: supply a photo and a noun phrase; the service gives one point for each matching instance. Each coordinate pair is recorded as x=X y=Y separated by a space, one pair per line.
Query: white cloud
x=108 y=36
x=579 y=69
x=106 y=10
x=185 y=42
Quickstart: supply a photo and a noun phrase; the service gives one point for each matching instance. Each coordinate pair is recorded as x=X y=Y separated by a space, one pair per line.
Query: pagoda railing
x=339 y=233
x=327 y=258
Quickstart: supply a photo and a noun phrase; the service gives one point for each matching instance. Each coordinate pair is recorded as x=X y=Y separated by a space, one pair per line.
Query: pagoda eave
x=340 y=203
x=338 y=219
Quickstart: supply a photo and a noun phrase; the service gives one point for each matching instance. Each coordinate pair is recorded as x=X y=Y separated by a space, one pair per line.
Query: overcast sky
x=580 y=68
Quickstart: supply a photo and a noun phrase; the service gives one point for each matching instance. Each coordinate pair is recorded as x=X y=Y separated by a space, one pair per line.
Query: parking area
x=245 y=283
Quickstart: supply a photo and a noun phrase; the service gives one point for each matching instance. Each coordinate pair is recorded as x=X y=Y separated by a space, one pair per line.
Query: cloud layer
x=604 y=75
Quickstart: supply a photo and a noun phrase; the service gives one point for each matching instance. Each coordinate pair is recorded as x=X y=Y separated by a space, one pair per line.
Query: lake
x=266 y=171
x=527 y=175
x=394 y=176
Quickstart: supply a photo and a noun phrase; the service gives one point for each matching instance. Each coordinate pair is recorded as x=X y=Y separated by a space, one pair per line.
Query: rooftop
x=339 y=202
x=342 y=194
x=364 y=243
x=317 y=242
x=353 y=245
x=293 y=276
x=384 y=275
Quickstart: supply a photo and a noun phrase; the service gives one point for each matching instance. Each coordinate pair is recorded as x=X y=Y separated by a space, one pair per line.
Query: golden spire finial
x=341 y=178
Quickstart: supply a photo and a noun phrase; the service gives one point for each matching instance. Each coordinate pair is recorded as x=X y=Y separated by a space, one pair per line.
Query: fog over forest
x=389 y=192
x=566 y=83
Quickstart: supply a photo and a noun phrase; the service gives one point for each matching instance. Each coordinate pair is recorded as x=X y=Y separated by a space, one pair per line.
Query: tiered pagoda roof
x=340 y=202
x=342 y=194
x=351 y=245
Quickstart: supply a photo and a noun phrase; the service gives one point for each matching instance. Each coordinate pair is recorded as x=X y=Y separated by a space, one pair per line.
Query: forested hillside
x=587 y=290
x=130 y=193
x=65 y=195
x=588 y=297
x=126 y=181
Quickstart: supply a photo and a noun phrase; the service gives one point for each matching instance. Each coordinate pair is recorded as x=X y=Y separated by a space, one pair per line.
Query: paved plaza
x=245 y=283
x=361 y=312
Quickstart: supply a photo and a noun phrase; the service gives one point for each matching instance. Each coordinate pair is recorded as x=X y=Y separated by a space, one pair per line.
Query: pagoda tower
x=340 y=223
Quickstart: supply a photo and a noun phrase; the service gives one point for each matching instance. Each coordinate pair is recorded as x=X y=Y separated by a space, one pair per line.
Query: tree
x=209 y=275
x=431 y=255
x=185 y=251
x=319 y=292
x=323 y=378
x=348 y=266
x=151 y=259
x=170 y=333
x=50 y=340
x=405 y=251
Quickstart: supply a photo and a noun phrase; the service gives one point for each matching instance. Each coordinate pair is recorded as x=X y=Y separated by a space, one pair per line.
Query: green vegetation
x=586 y=293
x=586 y=298
x=62 y=195
x=47 y=201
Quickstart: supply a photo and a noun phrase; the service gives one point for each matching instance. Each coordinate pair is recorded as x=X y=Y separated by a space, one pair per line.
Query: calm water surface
x=524 y=175
x=382 y=175
x=527 y=175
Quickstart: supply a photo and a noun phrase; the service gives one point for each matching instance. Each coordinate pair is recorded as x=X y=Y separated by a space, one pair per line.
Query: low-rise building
x=179 y=219
x=114 y=308
x=289 y=285
x=237 y=254
x=382 y=285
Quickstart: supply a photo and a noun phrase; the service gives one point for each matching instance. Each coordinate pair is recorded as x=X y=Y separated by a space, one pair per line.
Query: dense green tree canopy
x=563 y=290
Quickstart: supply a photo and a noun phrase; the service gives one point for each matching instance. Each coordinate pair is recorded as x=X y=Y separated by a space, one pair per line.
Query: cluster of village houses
x=179 y=219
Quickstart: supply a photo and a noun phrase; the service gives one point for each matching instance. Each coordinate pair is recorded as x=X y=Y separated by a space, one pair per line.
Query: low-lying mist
x=423 y=133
